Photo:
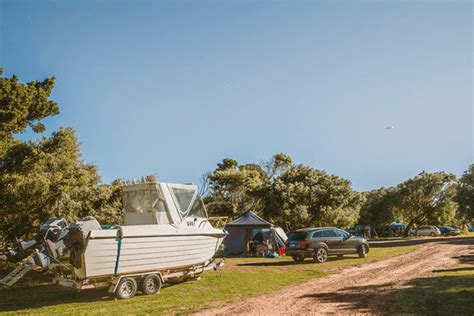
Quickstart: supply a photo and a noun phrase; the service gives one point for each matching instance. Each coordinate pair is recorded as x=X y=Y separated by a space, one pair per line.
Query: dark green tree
x=22 y=106
x=427 y=198
x=106 y=204
x=380 y=208
x=465 y=195
x=46 y=177
x=42 y=179
x=232 y=188
x=303 y=196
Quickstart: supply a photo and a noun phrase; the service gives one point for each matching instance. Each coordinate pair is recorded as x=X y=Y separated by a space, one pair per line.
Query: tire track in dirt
x=367 y=289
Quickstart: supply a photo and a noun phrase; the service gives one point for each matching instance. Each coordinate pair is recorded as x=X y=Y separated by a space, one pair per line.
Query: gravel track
x=367 y=289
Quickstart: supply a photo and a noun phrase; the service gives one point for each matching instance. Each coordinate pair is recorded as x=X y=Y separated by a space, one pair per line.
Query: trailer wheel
x=127 y=288
x=151 y=284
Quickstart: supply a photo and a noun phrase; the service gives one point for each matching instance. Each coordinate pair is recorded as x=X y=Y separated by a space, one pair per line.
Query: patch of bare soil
x=368 y=289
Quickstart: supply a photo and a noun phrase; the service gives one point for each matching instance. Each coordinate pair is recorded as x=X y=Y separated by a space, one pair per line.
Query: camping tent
x=249 y=234
x=396 y=229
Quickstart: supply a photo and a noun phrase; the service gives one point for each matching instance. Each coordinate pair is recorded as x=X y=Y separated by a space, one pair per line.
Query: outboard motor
x=75 y=240
x=52 y=233
x=55 y=237
x=54 y=229
x=47 y=246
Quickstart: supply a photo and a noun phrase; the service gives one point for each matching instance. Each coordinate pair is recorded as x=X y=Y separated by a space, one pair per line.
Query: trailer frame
x=165 y=276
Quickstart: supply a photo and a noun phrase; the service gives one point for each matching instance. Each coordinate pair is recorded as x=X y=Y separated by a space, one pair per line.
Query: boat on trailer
x=166 y=236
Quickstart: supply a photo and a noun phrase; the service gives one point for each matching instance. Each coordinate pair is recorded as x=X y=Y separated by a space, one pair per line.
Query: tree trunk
x=406 y=233
x=375 y=231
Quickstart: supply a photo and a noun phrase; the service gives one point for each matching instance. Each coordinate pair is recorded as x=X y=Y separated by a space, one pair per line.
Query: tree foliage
x=277 y=165
x=303 y=196
x=380 y=208
x=42 y=179
x=295 y=196
x=291 y=196
x=465 y=196
x=45 y=177
x=427 y=198
x=22 y=106
x=106 y=204
x=233 y=188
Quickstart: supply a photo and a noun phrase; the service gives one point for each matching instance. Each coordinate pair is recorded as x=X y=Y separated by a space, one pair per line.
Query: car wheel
x=432 y=234
x=151 y=284
x=320 y=255
x=298 y=258
x=362 y=251
x=127 y=288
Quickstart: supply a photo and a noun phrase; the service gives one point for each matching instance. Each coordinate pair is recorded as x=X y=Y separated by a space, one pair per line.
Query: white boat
x=165 y=228
x=166 y=236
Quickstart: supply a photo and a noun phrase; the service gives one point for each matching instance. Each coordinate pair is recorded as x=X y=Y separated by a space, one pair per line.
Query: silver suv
x=428 y=231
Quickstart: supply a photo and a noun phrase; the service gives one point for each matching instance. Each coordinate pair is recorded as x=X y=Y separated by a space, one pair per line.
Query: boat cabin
x=148 y=202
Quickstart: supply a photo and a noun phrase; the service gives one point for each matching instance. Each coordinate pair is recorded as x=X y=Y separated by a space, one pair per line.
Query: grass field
x=241 y=277
x=448 y=292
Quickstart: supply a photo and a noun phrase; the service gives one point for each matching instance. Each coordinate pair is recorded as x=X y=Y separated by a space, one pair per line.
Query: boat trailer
x=121 y=286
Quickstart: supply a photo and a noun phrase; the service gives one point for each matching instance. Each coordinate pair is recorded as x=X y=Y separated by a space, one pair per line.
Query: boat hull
x=148 y=250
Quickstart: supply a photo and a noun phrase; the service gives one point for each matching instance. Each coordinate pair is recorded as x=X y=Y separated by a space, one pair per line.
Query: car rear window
x=329 y=233
x=297 y=236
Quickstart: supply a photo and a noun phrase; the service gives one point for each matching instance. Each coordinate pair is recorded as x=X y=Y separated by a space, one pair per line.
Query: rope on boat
x=119 y=247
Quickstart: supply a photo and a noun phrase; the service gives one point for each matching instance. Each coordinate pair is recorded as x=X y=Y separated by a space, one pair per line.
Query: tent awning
x=249 y=218
x=397 y=225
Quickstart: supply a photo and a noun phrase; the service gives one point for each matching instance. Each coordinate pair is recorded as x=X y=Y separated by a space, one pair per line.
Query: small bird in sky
x=389 y=127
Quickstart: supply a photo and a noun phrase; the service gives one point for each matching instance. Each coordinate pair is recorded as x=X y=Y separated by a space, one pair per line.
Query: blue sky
x=174 y=87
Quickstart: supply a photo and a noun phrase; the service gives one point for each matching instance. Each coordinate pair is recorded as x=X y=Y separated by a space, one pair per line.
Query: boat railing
x=218 y=221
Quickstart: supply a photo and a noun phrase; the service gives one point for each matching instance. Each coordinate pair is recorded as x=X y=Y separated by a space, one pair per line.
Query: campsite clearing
x=383 y=287
x=445 y=292
x=240 y=278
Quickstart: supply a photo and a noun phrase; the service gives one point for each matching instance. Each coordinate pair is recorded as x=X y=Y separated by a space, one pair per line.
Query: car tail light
x=302 y=243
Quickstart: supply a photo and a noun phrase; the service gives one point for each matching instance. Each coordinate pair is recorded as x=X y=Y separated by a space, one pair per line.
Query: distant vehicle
x=449 y=231
x=432 y=231
x=470 y=228
x=351 y=230
x=360 y=230
x=321 y=242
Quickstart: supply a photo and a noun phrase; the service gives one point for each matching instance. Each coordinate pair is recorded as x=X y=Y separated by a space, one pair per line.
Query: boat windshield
x=188 y=202
x=198 y=209
x=183 y=197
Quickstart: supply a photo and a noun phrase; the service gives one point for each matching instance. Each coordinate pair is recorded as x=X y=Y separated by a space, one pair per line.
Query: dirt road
x=358 y=290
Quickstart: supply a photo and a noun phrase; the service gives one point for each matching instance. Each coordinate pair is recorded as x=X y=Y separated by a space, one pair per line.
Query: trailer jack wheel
x=127 y=288
x=151 y=284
